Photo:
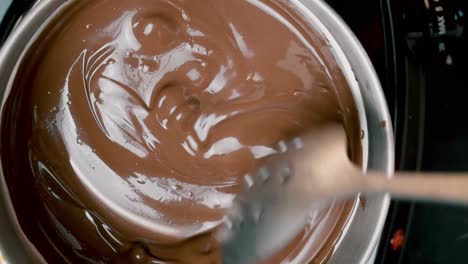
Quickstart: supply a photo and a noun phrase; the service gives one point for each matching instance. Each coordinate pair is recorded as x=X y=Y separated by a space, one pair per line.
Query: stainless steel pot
x=361 y=237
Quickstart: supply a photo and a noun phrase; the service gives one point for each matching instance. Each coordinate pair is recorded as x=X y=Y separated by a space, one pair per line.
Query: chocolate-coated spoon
x=279 y=197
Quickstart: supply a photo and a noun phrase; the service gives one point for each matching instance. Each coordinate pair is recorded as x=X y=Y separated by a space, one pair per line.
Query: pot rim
x=360 y=242
x=366 y=223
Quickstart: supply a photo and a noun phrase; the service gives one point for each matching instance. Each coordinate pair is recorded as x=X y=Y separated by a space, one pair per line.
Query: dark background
x=419 y=50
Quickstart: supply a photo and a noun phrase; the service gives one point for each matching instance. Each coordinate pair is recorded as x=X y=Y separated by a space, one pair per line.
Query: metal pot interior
x=363 y=231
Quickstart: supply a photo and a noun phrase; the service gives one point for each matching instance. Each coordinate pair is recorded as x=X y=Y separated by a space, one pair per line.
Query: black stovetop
x=417 y=48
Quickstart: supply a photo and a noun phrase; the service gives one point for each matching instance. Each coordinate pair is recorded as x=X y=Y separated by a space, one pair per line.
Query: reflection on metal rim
x=362 y=238
x=360 y=241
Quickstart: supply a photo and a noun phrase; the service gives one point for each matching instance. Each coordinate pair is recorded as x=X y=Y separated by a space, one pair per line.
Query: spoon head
x=262 y=222
x=276 y=205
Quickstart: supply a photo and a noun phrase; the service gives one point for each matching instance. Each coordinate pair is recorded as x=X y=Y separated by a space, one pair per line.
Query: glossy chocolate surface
x=131 y=125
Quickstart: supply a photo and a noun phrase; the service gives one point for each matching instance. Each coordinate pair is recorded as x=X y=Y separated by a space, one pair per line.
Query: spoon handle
x=444 y=187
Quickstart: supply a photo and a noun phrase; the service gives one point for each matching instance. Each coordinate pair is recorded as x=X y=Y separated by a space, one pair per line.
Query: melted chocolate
x=131 y=124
